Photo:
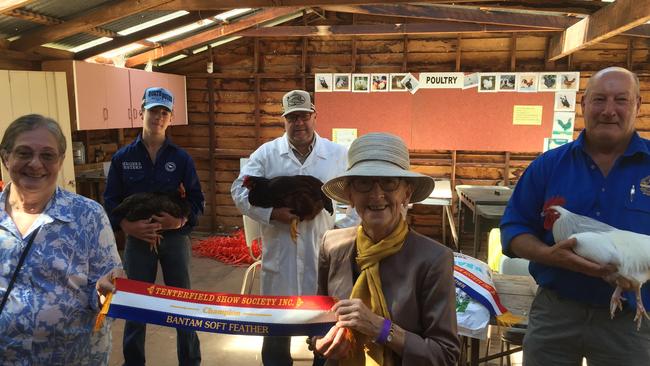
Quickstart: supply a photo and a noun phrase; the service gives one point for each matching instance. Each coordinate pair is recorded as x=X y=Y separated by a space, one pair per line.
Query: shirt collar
x=636 y=145
x=311 y=146
x=138 y=140
x=58 y=208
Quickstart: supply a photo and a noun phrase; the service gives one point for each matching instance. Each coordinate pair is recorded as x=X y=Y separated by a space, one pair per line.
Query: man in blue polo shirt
x=605 y=175
x=152 y=163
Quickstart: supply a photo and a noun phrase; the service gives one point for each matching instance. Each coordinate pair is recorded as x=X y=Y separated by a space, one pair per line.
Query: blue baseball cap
x=154 y=97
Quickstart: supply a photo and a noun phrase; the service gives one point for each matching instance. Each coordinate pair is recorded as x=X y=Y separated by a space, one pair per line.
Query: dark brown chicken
x=143 y=205
x=301 y=193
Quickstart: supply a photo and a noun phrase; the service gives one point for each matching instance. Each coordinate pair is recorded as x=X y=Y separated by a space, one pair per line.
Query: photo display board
x=452 y=111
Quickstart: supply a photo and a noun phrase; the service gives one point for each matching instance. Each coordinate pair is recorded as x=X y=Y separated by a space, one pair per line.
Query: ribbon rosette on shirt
x=219 y=312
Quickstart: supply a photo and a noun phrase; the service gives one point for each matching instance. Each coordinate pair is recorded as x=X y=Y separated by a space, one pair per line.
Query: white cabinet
x=103 y=96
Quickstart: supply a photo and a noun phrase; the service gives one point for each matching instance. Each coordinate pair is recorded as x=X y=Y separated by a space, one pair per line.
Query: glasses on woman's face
x=293 y=117
x=365 y=184
x=46 y=157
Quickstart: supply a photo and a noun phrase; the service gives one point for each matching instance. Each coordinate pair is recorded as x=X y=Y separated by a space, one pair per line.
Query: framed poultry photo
x=565 y=101
x=507 y=82
x=569 y=81
x=487 y=83
x=396 y=82
x=527 y=82
x=379 y=83
x=361 y=83
x=323 y=82
x=548 y=82
x=470 y=80
x=342 y=82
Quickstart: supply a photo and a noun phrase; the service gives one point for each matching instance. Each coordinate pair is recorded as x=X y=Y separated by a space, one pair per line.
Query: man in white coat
x=290 y=268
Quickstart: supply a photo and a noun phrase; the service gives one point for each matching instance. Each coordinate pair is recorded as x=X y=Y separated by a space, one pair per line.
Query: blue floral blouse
x=49 y=316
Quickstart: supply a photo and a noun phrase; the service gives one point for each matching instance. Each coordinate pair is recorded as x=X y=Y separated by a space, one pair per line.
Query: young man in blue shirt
x=570 y=316
x=152 y=163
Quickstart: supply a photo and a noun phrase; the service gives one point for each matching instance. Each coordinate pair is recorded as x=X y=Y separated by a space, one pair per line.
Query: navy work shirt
x=132 y=171
x=622 y=200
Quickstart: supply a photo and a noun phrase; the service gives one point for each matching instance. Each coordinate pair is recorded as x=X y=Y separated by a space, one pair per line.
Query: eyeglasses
x=293 y=117
x=363 y=184
x=25 y=155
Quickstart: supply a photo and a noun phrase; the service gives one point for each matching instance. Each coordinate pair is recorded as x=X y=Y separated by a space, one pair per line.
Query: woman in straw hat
x=398 y=286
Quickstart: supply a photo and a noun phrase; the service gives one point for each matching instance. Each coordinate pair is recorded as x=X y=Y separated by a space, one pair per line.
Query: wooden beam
x=100 y=15
x=231 y=4
x=605 y=23
x=559 y=6
x=441 y=27
x=145 y=33
x=460 y=15
x=8 y=5
x=38 y=54
x=209 y=35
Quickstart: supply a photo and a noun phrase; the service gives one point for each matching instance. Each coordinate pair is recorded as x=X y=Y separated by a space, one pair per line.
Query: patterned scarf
x=368 y=288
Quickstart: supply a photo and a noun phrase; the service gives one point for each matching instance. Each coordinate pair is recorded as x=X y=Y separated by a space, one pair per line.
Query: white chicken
x=604 y=244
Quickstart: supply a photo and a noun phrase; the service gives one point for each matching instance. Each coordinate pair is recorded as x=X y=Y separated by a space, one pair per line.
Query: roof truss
x=210 y=35
x=605 y=23
x=98 y=16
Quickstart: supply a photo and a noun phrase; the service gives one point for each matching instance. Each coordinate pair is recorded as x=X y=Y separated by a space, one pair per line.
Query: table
x=479 y=199
x=441 y=196
x=94 y=178
x=516 y=294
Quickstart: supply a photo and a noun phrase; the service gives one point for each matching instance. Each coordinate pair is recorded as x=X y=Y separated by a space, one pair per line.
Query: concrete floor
x=216 y=349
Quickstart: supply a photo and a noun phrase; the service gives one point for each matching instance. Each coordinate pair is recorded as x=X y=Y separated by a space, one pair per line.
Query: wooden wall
x=251 y=75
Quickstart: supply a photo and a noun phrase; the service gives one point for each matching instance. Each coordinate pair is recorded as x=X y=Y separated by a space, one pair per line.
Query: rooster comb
x=554 y=201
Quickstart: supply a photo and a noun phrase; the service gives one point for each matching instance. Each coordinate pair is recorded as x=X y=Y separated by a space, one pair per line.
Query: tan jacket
x=418 y=285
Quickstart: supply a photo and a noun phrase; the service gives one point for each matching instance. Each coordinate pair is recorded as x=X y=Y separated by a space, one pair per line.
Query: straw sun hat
x=379 y=155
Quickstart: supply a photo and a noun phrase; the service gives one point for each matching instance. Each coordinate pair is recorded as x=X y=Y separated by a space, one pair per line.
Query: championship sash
x=219 y=312
x=473 y=277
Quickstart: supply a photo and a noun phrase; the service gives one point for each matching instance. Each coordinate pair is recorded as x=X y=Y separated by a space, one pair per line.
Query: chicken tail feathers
x=327 y=203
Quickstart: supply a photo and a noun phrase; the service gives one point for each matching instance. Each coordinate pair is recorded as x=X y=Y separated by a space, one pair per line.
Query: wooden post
x=548 y=65
x=257 y=92
x=354 y=48
x=458 y=52
x=212 y=147
x=513 y=51
x=303 y=66
x=630 y=51
x=405 y=54
x=506 y=170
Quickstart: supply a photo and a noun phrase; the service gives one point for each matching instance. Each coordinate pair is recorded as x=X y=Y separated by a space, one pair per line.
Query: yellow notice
x=527 y=115
x=344 y=136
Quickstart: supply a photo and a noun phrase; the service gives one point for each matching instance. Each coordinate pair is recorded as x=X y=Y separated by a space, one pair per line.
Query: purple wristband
x=385 y=331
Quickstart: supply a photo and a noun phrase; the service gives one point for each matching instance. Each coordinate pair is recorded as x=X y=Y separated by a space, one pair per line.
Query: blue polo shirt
x=622 y=200
x=132 y=171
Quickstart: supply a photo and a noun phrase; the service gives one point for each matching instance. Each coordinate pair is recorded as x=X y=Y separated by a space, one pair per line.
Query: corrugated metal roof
x=63 y=9
x=135 y=19
x=10 y=26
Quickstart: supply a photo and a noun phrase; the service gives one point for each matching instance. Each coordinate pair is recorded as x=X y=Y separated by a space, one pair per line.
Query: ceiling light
x=84 y=46
x=232 y=13
x=122 y=50
x=171 y=59
x=181 y=30
x=152 y=22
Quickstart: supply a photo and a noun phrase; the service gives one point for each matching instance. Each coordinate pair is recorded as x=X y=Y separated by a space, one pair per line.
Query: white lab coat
x=290 y=268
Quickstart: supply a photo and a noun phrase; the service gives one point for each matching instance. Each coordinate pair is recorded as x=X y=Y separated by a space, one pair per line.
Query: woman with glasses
x=56 y=249
x=397 y=286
